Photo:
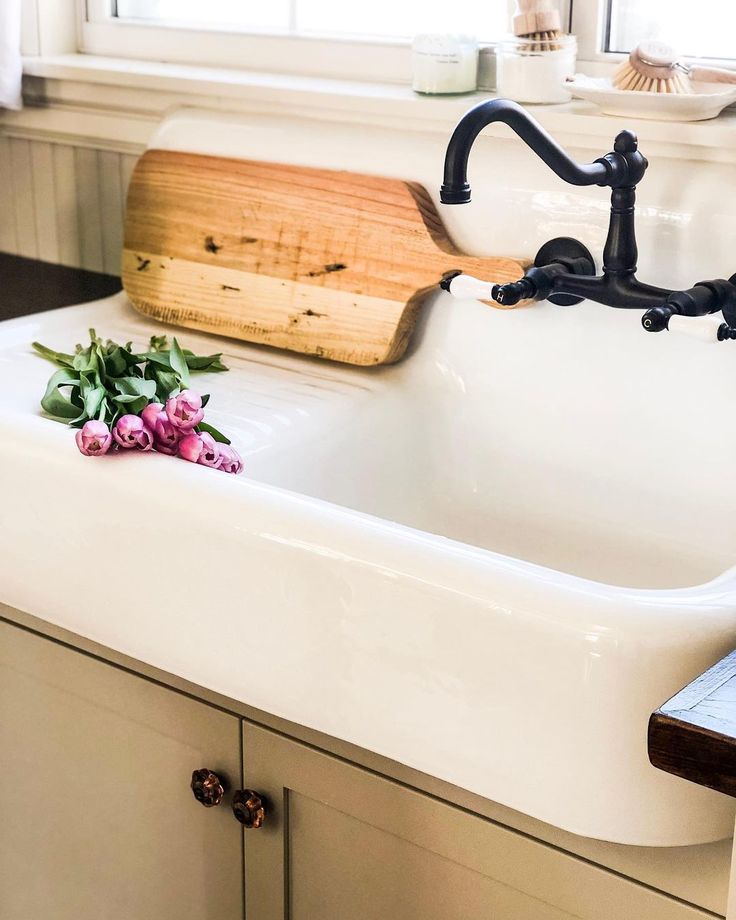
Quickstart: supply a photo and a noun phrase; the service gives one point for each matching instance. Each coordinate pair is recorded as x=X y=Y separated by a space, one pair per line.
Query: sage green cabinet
x=344 y=843
x=97 y=820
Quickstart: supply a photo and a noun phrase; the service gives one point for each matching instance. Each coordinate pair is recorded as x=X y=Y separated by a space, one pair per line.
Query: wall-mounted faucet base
x=573 y=255
x=557 y=259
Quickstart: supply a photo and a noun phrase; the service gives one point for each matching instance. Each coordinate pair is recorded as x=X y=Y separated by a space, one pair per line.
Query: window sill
x=117 y=103
x=240 y=87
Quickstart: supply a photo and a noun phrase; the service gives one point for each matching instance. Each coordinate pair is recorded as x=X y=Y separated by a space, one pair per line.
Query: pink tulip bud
x=210 y=454
x=93 y=439
x=190 y=447
x=230 y=459
x=150 y=414
x=200 y=447
x=165 y=436
x=130 y=431
x=185 y=410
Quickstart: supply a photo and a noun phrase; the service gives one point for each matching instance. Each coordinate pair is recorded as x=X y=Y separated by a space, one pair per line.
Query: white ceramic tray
x=707 y=101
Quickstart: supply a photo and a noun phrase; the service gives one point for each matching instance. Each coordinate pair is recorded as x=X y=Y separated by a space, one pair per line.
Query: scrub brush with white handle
x=653 y=67
x=538 y=21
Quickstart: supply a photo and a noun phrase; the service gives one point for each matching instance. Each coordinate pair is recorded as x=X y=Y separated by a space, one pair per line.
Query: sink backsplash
x=686 y=227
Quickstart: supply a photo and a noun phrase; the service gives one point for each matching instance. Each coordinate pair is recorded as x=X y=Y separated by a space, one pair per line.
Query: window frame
x=589 y=22
x=52 y=27
x=101 y=33
x=380 y=60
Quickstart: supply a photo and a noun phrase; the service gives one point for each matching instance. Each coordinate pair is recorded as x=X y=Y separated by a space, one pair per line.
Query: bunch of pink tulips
x=168 y=429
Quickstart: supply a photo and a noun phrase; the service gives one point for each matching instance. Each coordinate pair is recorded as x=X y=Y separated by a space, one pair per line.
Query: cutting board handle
x=326 y=263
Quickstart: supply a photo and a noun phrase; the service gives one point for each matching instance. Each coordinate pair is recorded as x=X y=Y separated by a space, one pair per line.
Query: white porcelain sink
x=490 y=562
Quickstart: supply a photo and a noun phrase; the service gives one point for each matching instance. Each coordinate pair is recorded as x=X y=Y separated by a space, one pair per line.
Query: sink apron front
x=518 y=682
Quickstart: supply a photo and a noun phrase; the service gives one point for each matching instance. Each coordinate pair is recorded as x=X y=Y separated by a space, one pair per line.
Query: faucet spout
x=563 y=271
x=455 y=188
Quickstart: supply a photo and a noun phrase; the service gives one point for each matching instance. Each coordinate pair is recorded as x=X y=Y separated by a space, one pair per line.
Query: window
x=369 y=19
x=364 y=40
x=705 y=30
x=370 y=39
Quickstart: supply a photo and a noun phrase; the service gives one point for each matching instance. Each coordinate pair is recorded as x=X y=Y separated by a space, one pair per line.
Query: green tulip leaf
x=160 y=358
x=57 y=403
x=58 y=357
x=117 y=362
x=205 y=363
x=130 y=404
x=167 y=384
x=104 y=409
x=210 y=429
x=179 y=363
x=135 y=386
x=105 y=380
x=93 y=400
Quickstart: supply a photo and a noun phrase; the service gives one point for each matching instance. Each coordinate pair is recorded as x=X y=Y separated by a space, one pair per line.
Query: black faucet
x=564 y=270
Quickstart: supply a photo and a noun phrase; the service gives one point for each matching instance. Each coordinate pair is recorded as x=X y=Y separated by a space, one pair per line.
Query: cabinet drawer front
x=98 y=819
x=341 y=842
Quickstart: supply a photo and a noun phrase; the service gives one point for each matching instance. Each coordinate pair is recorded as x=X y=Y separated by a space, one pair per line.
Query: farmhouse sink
x=490 y=562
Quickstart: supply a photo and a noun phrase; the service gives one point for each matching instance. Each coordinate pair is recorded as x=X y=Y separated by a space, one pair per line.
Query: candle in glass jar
x=444 y=64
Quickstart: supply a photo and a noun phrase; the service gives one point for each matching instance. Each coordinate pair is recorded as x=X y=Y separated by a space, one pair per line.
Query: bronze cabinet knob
x=207 y=787
x=249 y=808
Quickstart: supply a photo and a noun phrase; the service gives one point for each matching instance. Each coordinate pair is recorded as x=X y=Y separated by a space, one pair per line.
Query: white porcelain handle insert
x=468 y=286
x=704 y=328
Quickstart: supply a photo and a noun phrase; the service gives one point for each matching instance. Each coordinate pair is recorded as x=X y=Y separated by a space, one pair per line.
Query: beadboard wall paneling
x=63 y=204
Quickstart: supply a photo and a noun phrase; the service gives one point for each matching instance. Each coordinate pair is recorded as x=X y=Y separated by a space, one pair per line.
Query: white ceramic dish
x=708 y=100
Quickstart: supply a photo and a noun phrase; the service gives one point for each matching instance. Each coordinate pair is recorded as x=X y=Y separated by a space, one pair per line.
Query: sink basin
x=490 y=562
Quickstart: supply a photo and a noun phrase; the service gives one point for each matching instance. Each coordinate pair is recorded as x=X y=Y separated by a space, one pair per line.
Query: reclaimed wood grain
x=693 y=735
x=326 y=263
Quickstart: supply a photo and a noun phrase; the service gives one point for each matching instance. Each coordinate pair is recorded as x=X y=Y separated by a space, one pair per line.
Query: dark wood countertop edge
x=693 y=735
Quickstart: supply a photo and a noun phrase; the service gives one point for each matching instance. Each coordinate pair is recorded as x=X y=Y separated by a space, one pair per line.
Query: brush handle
x=712 y=74
x=536 y=16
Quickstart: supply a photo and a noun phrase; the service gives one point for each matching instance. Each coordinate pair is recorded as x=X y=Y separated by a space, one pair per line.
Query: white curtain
x=10 y=61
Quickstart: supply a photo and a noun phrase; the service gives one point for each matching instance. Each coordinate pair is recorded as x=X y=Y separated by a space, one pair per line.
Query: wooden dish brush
x=539 y=22
x=653 y=67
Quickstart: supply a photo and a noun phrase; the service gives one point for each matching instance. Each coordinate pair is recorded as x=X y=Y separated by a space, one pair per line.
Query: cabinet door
x=342 y=843
x=97 y=819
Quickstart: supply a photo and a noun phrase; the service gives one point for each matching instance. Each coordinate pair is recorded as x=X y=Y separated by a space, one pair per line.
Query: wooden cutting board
x=327 y=263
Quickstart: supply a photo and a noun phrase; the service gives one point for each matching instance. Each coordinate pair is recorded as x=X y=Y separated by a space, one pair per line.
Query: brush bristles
x=628 y=78
x=542 y=41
